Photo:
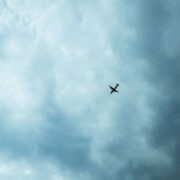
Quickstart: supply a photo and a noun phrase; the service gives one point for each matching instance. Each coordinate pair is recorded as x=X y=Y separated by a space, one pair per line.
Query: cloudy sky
x=57 y=118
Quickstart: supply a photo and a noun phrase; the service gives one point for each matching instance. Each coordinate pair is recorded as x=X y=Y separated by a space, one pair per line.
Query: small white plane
x=114 y=89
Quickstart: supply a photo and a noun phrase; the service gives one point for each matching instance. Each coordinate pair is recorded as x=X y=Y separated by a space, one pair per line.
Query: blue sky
x=57 y=118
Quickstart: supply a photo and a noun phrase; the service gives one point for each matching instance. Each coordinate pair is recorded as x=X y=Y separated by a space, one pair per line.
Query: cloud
x=154 y=28
x=58 y=120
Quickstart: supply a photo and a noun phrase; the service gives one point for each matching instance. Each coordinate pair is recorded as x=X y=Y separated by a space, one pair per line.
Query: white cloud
x=30 y=170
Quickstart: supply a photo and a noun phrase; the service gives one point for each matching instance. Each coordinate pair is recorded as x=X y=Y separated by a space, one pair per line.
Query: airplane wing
x=112 y=90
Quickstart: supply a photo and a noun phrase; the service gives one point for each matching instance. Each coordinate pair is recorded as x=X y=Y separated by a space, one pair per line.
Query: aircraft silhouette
x=114 y=89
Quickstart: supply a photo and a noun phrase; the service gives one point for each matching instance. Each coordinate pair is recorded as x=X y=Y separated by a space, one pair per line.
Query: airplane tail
x=117 y=84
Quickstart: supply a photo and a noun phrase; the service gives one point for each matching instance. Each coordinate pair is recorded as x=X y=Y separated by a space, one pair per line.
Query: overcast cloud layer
x=57 y=118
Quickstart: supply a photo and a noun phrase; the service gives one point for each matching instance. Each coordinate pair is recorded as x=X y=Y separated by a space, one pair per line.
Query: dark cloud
x=62 y=139
x=162 y=74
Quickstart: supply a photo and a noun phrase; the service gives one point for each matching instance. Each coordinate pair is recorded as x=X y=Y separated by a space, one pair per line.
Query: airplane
x=114 y=89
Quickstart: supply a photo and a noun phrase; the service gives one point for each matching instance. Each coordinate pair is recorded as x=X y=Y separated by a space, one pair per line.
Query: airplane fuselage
x=114 y=89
